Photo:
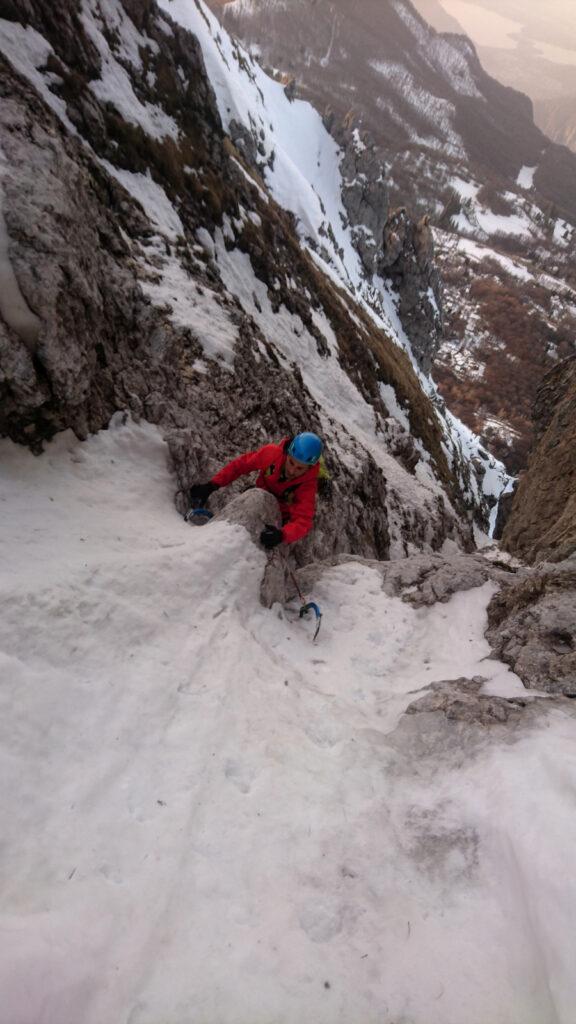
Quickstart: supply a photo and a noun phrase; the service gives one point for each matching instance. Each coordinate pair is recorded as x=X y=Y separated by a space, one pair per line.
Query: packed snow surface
x=207 y=817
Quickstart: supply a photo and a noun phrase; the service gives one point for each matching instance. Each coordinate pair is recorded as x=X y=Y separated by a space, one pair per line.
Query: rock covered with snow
x=415 y=104
x=462 y=700
x=423 y=95
x=424 y=580
x=365 y=191
x=532 y=627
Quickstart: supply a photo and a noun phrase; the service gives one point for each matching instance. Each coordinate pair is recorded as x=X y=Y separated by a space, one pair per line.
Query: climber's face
x=293 y=468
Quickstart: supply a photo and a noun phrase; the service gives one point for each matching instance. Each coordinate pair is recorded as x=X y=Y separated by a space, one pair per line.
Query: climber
x=289 y=470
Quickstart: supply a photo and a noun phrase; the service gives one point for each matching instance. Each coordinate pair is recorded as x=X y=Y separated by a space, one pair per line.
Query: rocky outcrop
x=504 y=509
x=389 y=242
x=462 y=700
x=365 y=192
x=407 y=258
x=532 y=627
x=424 y=580
x=542 y=523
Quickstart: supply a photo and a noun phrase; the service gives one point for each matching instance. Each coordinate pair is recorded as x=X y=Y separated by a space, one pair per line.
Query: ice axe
x=306 y=606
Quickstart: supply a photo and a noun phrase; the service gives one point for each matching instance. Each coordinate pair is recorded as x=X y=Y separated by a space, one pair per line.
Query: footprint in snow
x=321 y=922
x=241 y=775
x=323 y=733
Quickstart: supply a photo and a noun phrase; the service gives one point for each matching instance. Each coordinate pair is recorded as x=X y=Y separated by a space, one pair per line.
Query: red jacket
x=297 y=498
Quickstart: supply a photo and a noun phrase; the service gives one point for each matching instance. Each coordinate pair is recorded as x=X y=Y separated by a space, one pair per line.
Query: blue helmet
x=306 y=448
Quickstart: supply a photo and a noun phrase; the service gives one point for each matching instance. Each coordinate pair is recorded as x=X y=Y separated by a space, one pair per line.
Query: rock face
x=542 y=523
x=407 y=257
x=365 y=193
x=389 y=241
x=460 y=700
x=532 y=627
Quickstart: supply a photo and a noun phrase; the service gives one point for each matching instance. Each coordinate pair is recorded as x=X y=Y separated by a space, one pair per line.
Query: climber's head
x=303 y=451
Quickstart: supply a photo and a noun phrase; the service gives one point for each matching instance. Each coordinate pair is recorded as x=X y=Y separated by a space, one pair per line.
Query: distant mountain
x=433 y=12
x=423 y=96
x=557 y=117
x=422 y=125
x=528 y=64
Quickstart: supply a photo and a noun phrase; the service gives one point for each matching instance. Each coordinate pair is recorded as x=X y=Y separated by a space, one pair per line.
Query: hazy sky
x=550 y=25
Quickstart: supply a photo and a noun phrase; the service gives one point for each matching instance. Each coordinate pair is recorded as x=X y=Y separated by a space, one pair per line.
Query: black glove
x=270 y=537
x=200 y=493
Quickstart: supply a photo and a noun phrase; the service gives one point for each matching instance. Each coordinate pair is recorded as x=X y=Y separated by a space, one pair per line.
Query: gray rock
x=252 y=510
x=407 y=257
x=424 y=580
x=532 y=627
x=460 y=700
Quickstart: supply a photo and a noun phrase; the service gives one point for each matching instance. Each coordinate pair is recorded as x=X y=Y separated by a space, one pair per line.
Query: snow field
x=209 y=818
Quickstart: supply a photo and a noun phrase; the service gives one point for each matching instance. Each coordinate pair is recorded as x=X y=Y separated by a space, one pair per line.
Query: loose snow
x=208 y=818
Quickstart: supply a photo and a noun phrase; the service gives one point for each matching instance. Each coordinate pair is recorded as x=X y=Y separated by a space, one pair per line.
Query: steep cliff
x=542 y=523
x=152 y=266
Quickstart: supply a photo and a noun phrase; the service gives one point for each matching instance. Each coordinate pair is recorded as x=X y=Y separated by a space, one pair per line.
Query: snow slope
x=209 y=818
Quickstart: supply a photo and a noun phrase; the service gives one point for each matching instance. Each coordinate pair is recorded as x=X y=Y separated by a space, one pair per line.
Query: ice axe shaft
x=306 y=606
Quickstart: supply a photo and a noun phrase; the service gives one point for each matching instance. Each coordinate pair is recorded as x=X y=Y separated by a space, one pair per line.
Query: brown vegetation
x=517 y=345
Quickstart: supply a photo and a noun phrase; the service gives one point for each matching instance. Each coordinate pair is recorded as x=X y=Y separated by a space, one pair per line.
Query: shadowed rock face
x=542 y=523
x=532 y=621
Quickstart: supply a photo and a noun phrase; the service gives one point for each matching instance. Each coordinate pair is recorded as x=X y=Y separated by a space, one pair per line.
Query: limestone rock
x=424 y=580
x=253 y=510
x=407 y=257
x=532 y=627
x=461 y=700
